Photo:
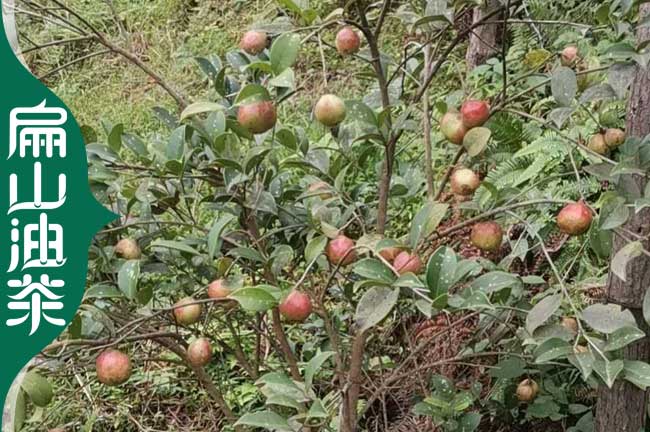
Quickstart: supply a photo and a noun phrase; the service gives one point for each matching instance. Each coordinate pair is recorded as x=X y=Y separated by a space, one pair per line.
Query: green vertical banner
x=47 y=220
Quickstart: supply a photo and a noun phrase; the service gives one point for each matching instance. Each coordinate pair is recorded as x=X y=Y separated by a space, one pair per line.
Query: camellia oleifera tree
x=321 y=258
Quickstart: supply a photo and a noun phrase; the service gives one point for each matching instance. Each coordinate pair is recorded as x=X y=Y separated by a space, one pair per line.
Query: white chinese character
x=31 y=299
x=39 y=131
x=42 y=245
x=37 y=203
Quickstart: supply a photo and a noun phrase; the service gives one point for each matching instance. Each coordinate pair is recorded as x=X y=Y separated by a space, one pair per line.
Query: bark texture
x=623 y=408
x=483 y=39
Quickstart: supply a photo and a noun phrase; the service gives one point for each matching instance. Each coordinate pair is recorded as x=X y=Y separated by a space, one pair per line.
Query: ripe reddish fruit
x=330 y=110
x=341 y=251
x=347 y=41
x=113 y=367
x=597 y=144
x=569 y=55
x=614 y=137
x=451 y=126
x=527 y=390
x=464 y=182
x=199 y=352
x=320 y=189
x=257 y=117
x=574 y=218
x=406 y=262
x=187 y=311
x=570 y=324
x=474 y=113
x=128 y=248
x=253 y=42
x=296 y=306
x=487 y=236
x=218 y=289
x=390 y=253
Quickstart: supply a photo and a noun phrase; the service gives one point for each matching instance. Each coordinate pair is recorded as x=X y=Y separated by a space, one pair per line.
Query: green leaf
x=626 y=254
x=495 y=281
x=264 y=419
x=127 y=278
x=255 y=299
x=441 y=271
x=38 y=388
x=284 y=52
x=284 y=80
x=19 y=412
x=646 y=306
x=637 y=372
x=613 y=213
x=607 y=318
x=510 y=368
x=102 y=290
x=426 y=221
x=560 y=115
x=623 y=337
x=371 y=268
x=374 y=306
x=115 y=137
x=476 y=140
x=246 y=253
x=542 y=311
x=214 y=237
x=608 y=370
x=584 y=362
x=317 y=410
x=252 y=93
x=176 y=146
x=597 y=92
x=170 y=244
x=564 y=85
x=200 y=108
x=552 y=349
x=135 y=144
x=314 y=365
x=469 y=422
x=314 y=248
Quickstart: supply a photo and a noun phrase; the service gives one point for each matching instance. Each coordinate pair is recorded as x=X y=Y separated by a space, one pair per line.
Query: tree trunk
x=483 y=39
x=623 y=408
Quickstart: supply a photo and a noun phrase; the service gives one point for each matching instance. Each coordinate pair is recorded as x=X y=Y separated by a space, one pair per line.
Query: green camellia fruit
x=330 y=110
x=187 y=311
x=597 y=144
x=451 y=126
x=527 y=390
x=464 y=182
x=487 y=236
x=614 y=137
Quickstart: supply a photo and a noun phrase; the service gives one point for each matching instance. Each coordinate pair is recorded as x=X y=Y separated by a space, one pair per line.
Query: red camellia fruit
x=187 y=311
x=296 y=306
x=199 y=352
x=527 y=390
x=390 y=253
x=474 y=113
x=574 y=218
x=218 y=289
x=614 y=137
x=451 y=126
x=487 y=236
x=347 y=41
x=598 y=144
x=406 y=262
x=341 y=251
x=569 y=55
x=330 y=110
x=113 y=367
x=253 y=42
x=464 y=182
x=257 y=117
x=128 y=248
